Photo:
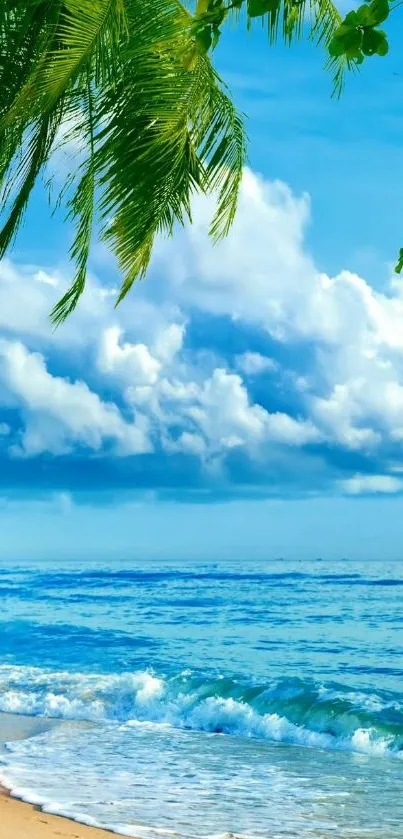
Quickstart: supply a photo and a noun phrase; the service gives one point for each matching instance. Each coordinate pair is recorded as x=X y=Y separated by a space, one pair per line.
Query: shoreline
x=20 y=820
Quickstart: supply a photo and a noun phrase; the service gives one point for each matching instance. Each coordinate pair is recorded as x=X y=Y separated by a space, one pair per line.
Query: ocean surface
x=241 y=699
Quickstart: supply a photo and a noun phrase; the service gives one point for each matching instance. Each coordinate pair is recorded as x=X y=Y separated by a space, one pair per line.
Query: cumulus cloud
x=360 y=484
x=216 y=416
x=260 y=273
x=29 y=292
x=138 y=364
x=59 y=414
x=263 y=276
x=132 y=363
x=168 y=342
x=341 y=387
x=254 y=363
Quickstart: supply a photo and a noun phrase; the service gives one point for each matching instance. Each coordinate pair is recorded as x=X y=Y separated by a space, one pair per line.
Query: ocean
x=216 y=699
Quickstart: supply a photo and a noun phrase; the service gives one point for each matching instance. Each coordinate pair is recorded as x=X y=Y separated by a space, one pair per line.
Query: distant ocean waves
x=290 y=710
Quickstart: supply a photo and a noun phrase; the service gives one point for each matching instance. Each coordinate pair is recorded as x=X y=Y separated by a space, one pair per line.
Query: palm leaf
x=81 y=210
x=34 y=156
x=153 y=118
x=155 y=126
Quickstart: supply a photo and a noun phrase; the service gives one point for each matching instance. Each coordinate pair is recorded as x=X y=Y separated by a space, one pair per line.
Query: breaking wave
x=291 y=710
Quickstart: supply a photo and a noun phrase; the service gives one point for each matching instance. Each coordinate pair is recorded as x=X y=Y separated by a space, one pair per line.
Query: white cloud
x=47 y=279
x=28 y=294
x=253 y=363
x=250 y=275
x=131 y=363
x=25 y=299
x=281 y=428
x=224 y=413
x=359 y=484
x=136 y=365
x=227 y=417
x=60 y=414
x=262 y=276
x=168 y=342
x=217 y=415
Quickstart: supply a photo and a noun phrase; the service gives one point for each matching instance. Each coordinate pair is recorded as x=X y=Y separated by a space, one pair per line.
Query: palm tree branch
x=81 y=210
x=34 y=156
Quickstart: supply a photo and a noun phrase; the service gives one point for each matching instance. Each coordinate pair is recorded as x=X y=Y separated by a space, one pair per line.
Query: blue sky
x=247 y=397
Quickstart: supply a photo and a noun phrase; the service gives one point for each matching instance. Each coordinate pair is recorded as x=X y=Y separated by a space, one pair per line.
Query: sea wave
x=290 y=710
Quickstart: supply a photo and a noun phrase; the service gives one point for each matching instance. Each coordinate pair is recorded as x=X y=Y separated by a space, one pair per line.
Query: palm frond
x=157 y=150
x=26 y=44
x=34 y=155
x=325 y=20
x=225 y=150
x=81 y=211
x=87 y=30
x=154 y=119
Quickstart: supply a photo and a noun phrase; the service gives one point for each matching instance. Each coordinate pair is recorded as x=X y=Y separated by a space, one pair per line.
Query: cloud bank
x=234 y=369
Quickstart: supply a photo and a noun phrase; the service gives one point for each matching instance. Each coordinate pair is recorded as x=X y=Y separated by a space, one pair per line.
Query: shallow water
x=259 y=699
x=13 y=727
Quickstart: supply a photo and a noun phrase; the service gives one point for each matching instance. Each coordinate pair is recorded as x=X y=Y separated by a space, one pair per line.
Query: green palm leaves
x=125 y=82
x=130 y=85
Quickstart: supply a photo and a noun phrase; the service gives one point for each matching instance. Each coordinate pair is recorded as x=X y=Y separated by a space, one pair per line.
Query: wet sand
x=23 y=821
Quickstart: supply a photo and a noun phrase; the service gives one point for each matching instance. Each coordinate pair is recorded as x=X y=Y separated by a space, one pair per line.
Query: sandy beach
x=23 y=821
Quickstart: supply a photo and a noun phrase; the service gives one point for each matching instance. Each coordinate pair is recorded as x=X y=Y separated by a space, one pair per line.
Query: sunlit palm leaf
x=153 y=121
x=125 y=80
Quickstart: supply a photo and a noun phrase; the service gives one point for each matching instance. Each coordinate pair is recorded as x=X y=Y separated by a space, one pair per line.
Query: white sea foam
x=142 y=697
x=152 y=780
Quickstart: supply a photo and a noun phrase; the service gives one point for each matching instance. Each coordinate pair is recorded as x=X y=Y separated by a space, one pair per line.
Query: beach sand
x=23 y=821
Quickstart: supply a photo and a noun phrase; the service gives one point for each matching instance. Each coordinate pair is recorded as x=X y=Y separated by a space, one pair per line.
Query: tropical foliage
x=348 y=41
x=130 y=85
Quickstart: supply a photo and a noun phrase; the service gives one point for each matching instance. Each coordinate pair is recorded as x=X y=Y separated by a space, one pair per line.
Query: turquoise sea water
x=203 y=700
